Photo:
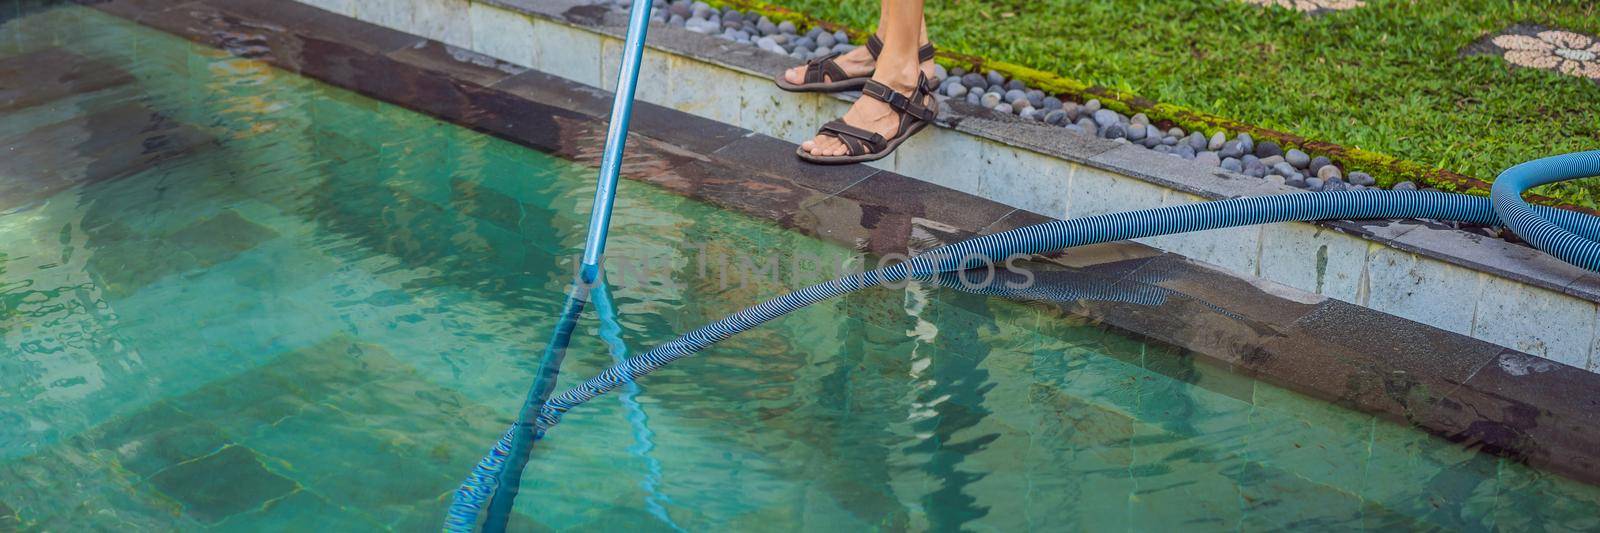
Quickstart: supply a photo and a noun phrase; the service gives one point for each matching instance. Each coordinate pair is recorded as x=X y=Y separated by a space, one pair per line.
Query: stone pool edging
x=1460 y=388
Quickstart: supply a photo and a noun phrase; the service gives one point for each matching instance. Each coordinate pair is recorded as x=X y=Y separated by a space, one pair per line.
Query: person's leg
x=857 y=62
x=903 y=31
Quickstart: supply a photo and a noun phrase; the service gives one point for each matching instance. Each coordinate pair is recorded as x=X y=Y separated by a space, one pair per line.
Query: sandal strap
x=858 y=141
x=824 y=69
x=875 y=47
x=908 y=105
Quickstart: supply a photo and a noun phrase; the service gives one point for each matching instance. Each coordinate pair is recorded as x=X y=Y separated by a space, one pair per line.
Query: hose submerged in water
x=1569 y=236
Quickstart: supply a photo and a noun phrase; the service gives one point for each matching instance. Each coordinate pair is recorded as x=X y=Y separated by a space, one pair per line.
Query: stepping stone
x=1540 y=47
x=1310 y=6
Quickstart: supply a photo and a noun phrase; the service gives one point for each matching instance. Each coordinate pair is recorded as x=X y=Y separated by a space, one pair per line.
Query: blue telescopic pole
x=616 y=136
x=496 y=478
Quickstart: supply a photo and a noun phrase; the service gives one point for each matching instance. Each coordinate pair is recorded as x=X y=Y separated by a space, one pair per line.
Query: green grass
x=1387 y=77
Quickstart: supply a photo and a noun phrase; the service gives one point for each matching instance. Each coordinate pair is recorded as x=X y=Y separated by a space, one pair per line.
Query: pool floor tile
x=225 y=483
x=154 y=439
x=53 y=74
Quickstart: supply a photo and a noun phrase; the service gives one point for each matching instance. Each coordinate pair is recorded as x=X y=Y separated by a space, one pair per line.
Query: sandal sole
x=863 y=158
x=851 y=84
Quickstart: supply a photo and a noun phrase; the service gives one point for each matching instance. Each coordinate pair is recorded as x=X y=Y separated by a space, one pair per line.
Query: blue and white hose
x=1569 y=236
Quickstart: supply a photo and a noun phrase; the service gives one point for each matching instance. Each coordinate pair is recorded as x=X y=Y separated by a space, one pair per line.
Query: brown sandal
x=823 y=75
x=916 y=112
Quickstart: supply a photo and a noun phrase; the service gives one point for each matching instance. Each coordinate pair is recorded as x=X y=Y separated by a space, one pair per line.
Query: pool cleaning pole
x=518 y=442
x=616 y=136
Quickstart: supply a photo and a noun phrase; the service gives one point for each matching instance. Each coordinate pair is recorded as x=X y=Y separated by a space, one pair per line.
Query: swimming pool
x=236 y=298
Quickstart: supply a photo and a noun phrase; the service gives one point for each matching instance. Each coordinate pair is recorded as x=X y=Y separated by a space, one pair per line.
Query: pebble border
x=992 y=90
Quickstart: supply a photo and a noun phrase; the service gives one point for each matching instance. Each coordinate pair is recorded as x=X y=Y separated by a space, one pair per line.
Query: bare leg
x=903 y=31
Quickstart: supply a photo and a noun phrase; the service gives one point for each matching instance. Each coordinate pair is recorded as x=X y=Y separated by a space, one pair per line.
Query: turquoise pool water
x=232 y=298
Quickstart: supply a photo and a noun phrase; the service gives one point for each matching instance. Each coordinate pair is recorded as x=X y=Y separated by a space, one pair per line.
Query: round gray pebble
x=1232 y=164
x=1050 y=102
x=975 y=98
x=991 y=100
x=1185 y=151
x=1405 y=186
x=1363 y=179
x=1314 y=184
x=955 y=89
x=1003 y=108
x=1284 y=169
x=826 y=39
x=996 y=79
x=1198 y=141
x=1231 y=149
x=1088 y=126
x=1105 y=118
x=1115 y=131
x=1217 y=140
x=974 y=81
x=1013 y=96
x=1329 y=173
x=1297 y=158
x=1137 y=132
x=1092 y=105
x=1016 y=85
x=1055 y=116
x=786 y=27
x=1267 y=149
x=1317 y=163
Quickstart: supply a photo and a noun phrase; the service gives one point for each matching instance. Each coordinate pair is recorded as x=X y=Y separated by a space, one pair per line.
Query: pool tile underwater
x=222 y=484
x=52 y=74
x=100 y=147
x=132 y=259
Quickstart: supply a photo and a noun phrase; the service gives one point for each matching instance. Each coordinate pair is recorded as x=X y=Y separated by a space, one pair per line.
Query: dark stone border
x=1465 y=390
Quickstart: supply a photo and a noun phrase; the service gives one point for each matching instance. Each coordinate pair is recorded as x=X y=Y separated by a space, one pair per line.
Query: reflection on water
x=233 y=298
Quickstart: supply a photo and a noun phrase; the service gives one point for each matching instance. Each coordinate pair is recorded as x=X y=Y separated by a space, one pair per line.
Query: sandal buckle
x=898 y=101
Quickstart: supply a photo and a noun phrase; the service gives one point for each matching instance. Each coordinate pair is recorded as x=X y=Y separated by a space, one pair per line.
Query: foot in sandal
x=840 y=72
x=878 y=122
